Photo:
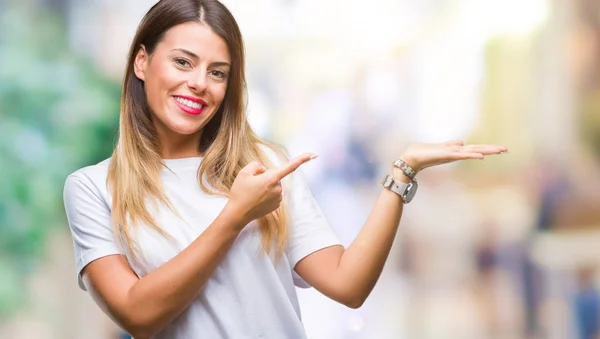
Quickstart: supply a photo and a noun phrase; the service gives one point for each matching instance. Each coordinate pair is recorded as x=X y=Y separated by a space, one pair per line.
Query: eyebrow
x=196 y=57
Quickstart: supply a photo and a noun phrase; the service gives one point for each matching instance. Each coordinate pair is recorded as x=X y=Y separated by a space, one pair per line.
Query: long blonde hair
x=227 y=143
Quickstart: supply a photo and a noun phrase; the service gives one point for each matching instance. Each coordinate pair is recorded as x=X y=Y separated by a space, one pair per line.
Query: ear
x=140 y=63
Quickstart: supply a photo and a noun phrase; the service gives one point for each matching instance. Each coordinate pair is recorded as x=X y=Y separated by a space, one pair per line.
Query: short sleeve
x=309 y=228
x=89 y=219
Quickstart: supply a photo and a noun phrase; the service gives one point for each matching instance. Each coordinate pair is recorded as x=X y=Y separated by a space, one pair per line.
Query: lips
x=190 y=105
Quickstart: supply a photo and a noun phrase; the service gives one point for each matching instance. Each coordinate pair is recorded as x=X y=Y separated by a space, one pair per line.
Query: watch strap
x=405 y=168
x=394 y=186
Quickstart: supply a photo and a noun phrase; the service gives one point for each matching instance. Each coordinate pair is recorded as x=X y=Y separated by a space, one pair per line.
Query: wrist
x=410 y=161
x=403 y=185
x=404 y=168
x=400 y=176
x=234 y=217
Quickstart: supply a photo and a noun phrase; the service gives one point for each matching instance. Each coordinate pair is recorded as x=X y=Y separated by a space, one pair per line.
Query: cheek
x=159 y=80
x=218 y=92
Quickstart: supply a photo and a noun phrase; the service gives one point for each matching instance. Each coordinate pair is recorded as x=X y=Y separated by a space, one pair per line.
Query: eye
x=218 y=74
x=182 y=63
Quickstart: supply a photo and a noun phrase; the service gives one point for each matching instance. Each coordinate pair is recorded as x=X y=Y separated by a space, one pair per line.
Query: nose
x=198 y=81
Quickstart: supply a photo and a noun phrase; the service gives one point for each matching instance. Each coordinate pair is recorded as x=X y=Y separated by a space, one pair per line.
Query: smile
x=190 y=105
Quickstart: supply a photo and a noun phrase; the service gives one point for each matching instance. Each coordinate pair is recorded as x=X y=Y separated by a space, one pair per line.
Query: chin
x=185 y=129
x=186 y=125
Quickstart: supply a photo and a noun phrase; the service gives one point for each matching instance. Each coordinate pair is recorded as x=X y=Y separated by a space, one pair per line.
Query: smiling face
x=185 y=79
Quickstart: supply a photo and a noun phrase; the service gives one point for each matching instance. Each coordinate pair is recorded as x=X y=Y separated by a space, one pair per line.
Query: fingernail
x=313 y=156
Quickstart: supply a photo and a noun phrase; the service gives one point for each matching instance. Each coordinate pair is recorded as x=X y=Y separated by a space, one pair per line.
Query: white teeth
x=188 y=103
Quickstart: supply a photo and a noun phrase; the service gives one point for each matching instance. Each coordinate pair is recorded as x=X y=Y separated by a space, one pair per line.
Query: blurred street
x=506 y=248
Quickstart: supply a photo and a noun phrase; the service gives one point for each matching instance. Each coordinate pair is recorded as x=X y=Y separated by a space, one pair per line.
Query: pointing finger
x=253 y=167
x=292 y=165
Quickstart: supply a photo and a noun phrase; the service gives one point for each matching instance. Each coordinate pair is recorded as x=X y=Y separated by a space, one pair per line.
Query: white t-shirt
x=249 y=295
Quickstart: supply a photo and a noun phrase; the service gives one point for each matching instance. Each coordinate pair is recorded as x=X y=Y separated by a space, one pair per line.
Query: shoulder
x=93 y=172
x=89 y=179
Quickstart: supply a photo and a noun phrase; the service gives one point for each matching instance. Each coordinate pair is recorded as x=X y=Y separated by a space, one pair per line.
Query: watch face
x=410 y=191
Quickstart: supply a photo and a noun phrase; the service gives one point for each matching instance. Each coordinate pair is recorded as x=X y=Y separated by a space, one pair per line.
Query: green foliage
x=57 y=113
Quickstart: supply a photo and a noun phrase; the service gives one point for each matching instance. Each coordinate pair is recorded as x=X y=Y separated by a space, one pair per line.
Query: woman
x=184 y=232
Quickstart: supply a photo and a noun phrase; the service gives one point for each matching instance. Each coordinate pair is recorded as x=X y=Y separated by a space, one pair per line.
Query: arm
x=143 y=307
x=349 y=275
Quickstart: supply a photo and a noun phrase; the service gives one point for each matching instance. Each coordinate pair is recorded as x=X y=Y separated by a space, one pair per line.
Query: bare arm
x=145 y=306
x=349 y=275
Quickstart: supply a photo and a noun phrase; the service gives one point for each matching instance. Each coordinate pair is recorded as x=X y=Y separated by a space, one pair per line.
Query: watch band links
x=405 y=168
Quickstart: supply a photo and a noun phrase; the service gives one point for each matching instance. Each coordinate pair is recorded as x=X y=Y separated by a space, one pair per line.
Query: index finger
x=292 y=165
x=485 y=149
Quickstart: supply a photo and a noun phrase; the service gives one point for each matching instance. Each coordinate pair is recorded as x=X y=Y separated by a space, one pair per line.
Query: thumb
x=254 y=168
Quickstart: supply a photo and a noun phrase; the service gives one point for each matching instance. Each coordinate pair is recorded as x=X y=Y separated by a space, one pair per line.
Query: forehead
x=197 y=38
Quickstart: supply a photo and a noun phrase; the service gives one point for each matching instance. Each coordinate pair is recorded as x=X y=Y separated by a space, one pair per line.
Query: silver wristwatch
x=405 y=191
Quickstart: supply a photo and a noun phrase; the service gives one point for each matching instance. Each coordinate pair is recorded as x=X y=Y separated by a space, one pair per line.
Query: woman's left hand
x=420 y=156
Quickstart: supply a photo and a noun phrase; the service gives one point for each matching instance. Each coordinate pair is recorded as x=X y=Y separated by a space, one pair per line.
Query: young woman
x=196 y=228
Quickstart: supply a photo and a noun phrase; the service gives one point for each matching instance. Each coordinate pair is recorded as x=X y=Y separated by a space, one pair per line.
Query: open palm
x=420 y=156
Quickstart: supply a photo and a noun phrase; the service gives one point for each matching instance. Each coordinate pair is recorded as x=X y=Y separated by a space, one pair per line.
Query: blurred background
x=503 y=248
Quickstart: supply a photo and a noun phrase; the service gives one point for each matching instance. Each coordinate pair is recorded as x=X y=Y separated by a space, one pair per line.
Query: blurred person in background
x=197 y=228
x=587 y=304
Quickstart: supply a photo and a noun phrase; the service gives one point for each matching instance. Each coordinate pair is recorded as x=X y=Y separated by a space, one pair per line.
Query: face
x=185 y=78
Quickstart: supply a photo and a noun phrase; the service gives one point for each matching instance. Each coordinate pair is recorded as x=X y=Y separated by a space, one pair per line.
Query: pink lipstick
x=190 y=105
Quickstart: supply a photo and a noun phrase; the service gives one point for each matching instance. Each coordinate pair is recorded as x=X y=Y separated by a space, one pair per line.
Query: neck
x=175 y=146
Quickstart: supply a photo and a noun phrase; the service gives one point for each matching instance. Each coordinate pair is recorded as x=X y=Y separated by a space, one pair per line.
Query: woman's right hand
x=257 y=191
